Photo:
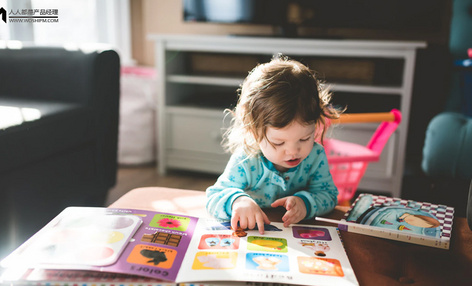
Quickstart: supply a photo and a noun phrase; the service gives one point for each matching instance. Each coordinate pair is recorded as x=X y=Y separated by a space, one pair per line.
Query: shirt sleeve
x=229 y=186
x=321 y=194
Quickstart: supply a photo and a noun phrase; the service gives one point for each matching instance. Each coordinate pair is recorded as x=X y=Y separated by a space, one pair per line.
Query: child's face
x=290 y=145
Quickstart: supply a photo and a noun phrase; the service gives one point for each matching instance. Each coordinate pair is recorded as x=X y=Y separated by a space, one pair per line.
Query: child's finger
x=260 y=223
x=290 y=204
x=287 y=221
x=251 y=222
x=287 y=218
x=266 y=219
x=243 y=222
x=279 y=203
x=290 y=217
x=234 y=221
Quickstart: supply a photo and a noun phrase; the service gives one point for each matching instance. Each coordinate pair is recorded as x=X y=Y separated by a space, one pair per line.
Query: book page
x=158 y=247
x=128 y=241
x=184 y=249
x=299 y=254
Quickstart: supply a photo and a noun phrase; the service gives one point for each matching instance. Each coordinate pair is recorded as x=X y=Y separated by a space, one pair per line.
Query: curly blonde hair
x=273 y=95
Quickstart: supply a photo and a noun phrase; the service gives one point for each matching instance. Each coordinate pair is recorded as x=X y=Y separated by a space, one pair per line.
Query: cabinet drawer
x=191 y=132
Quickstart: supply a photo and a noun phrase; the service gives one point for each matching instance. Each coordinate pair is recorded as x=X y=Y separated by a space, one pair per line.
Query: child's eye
x=278 y=144
x=305 y=139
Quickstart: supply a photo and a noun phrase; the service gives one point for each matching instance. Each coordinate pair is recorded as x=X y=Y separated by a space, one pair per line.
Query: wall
x=165 y=17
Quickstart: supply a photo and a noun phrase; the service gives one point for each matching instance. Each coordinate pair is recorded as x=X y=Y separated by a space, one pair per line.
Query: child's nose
x=293 y=149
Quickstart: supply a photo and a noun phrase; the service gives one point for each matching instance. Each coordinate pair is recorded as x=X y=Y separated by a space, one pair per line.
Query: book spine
x=371 y=231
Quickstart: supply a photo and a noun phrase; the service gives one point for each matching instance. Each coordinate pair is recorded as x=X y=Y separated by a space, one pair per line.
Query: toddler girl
x=281 y=114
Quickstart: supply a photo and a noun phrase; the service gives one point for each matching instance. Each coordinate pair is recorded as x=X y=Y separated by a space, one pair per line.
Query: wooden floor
x=130 y=177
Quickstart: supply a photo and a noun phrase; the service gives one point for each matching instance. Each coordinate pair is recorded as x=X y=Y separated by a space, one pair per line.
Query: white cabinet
x=194 y=89
x=193 y=140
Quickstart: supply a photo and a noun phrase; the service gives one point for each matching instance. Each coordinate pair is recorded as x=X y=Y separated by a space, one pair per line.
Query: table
x=375 y=261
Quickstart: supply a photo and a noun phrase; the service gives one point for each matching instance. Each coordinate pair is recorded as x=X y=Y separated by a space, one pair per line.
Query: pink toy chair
x=348 y=161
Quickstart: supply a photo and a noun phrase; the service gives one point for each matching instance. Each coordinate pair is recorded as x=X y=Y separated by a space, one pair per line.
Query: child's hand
x=296 y=209
x=248 y=213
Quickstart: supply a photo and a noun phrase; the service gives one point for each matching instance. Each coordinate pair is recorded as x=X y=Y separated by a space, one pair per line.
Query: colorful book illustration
x=404 y=220
x=175 y=249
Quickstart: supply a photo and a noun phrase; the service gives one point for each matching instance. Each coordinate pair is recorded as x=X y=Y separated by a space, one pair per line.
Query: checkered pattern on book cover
x=444 y=214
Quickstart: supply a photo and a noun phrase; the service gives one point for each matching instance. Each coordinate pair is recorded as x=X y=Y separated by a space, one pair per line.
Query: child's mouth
x=293 y=162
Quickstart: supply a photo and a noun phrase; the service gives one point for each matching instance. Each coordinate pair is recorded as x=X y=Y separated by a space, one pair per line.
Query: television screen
x=272 y=12
x=371 y=14
x=390 y=15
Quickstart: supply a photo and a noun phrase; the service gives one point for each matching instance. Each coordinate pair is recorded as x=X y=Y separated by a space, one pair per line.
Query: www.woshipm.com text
x=33 y=20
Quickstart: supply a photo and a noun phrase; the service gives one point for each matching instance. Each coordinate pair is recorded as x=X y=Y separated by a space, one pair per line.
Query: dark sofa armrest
x=446 y=151
x=87 y=78
x=43 y=73
x=106 y=98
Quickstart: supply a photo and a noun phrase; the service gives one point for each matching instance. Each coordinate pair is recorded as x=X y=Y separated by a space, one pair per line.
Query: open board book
x=398 y=219
x=81 y=241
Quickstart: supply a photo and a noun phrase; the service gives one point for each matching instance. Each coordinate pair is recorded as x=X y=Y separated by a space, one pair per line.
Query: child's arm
x=229 y=186
x=227 y=199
